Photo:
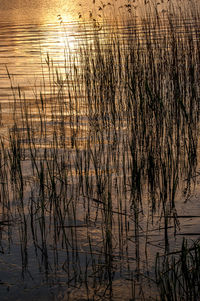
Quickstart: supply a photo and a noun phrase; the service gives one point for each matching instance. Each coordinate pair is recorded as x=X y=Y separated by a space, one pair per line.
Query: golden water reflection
x=65 y=226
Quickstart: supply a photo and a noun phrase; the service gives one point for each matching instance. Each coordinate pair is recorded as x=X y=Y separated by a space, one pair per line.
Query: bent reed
x=93 y=163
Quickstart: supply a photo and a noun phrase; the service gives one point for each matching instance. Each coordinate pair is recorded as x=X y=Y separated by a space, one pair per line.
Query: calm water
x=39 y=268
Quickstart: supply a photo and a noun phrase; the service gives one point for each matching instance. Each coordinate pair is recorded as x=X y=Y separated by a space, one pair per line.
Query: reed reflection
x=97 y=164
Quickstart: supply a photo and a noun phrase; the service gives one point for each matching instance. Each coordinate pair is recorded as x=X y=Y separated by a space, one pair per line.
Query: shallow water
x=63 y=256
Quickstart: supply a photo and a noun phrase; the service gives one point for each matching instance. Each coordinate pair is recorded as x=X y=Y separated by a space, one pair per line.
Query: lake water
x=61 y=239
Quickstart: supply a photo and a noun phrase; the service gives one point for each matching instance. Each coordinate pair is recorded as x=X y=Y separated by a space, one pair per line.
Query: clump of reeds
x=178 y=274
x=102 y=149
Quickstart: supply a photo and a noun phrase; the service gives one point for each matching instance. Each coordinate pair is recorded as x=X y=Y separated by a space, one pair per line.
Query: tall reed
x=93 y=163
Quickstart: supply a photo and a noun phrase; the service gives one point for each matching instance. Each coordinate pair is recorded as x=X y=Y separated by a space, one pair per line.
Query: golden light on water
x=95 y=149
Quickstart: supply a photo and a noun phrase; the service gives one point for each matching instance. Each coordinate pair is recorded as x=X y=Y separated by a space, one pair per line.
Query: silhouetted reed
x=92 y=164
x=178 y=274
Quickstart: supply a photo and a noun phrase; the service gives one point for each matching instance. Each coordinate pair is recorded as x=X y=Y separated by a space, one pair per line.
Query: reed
x=99 y=153
x=178 y=277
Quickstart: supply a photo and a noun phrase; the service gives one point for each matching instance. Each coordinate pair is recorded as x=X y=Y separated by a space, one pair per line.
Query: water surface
x=58 y=246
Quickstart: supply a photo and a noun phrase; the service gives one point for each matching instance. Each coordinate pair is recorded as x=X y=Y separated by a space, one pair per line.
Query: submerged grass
x=99 y=153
